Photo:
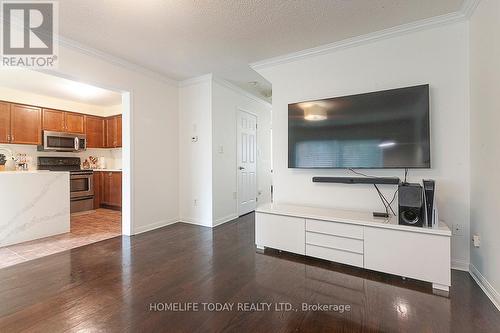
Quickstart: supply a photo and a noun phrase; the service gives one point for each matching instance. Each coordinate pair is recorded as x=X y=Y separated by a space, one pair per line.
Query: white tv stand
x=357 y=239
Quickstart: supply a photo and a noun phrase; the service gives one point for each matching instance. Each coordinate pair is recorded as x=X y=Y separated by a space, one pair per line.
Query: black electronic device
x=379 y=214
x=430 y=203
x=358 y=180
x=411 y=205
x=385 y=129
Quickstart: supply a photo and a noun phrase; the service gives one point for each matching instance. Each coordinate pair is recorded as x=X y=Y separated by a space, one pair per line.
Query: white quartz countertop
x=108 y=170
x=347 y=216
x=30 y=172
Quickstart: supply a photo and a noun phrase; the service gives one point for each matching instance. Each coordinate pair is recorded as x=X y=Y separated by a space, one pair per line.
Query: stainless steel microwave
x=61 y=141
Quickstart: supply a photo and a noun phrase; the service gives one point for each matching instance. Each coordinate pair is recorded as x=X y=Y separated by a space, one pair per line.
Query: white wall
x=208 y=183
x=23 y=97
x=153 y=145
x=436 y=56
x=195 y=158
x=227 y=100
x=485 y=140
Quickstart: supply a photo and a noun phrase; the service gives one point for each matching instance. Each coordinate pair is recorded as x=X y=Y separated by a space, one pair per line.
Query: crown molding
x=468 y=7
x=241 y=91
x=462 y=14
x=213 y=78
x=195 y=80
x=73 y=45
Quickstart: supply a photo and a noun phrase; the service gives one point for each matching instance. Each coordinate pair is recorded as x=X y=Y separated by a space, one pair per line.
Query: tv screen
x=384 y=129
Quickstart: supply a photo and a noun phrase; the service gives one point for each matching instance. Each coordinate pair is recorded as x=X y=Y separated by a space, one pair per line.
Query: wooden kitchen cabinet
x=4 y=122
x=53 y=120
x=111 y=195
x=95 y=132
x=114 y=132
x=98 y=188
x=75 y=122
x=25 y=124
x=119 y=131
x=62 y=121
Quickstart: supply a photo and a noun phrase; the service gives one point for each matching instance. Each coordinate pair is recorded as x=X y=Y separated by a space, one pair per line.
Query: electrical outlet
x=458 y=229
x=476 y=240
x=195 y=202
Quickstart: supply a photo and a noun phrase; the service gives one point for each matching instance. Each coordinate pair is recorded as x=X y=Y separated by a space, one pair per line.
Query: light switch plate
x=476 y=240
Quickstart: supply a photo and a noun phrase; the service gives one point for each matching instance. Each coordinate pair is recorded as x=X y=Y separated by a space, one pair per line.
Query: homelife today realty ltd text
x=246 y=307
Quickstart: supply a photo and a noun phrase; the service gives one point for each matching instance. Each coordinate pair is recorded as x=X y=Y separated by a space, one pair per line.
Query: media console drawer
x=343 y=257
x=335 y=228
x=335 y=242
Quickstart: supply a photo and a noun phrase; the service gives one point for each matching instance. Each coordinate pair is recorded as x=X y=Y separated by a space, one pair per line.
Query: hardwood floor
x=109 y=287
x=86 y=228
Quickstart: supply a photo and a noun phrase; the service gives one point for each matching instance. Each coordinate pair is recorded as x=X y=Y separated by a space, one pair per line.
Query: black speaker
x=411 y=205
x=430 y=202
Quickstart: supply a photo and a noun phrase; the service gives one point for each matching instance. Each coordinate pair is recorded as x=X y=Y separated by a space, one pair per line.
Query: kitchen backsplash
x=113 y=156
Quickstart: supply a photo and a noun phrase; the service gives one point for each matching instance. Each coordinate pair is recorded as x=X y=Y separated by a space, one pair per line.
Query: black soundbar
x=358 y=180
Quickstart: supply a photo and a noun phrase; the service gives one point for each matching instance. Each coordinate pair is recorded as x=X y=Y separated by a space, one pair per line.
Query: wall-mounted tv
x=385 y=129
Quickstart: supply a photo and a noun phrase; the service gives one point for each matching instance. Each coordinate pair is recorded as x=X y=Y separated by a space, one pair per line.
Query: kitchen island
x=33 y=204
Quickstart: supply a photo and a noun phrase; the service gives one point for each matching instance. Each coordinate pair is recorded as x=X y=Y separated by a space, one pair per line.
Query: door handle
x=241 y=168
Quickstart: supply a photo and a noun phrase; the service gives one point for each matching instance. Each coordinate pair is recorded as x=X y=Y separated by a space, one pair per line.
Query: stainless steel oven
x=61 y=141
x=81 y=189
x=81 y=182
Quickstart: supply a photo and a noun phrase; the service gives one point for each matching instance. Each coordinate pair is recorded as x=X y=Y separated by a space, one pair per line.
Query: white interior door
x=247 y=162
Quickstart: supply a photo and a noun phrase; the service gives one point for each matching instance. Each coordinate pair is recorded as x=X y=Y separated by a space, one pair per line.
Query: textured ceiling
x=53 y=86
x=186 y=38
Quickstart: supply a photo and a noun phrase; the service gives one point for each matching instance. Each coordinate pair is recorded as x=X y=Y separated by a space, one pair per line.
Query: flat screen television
x=378 y=130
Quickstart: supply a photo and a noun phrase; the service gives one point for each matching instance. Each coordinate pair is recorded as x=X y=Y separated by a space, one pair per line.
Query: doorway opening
x=66 y=112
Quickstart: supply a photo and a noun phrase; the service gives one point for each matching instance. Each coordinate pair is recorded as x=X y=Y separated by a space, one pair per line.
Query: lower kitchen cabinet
x=98 y=176
x=108 y=189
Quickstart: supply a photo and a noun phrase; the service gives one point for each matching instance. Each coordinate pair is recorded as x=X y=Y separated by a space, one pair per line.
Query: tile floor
x=86 y=228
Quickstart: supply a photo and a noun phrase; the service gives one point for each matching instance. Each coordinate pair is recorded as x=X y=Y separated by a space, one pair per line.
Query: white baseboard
x=155 y=225
x=225 y=219
x=193 y=221
x=209 y=225
x=488 y=289
x=460 y=265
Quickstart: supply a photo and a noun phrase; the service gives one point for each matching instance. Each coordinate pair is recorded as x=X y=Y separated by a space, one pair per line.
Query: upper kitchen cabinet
x=75 y=123
x=53 y=120
x=4 y=122
x=95 y=132
x=114 y=131
x=62 y=121
x=119 y=131
x=25 y=125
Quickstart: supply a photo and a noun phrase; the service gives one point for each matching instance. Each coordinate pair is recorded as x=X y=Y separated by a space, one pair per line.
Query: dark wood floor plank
x=108 y=286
